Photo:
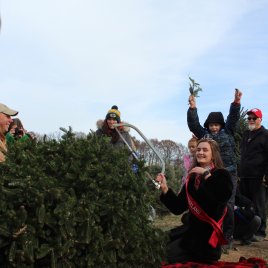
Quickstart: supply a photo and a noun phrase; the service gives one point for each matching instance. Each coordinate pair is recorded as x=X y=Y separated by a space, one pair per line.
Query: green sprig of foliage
x=194 y=87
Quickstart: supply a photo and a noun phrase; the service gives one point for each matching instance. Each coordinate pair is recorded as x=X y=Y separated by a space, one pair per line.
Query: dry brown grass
x=256 y=249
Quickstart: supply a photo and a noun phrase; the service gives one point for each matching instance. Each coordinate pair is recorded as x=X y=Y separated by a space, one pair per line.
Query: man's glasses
x=252 y=118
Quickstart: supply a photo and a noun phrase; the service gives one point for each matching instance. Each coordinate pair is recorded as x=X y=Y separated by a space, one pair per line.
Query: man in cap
x=254 y=167
x=5 y=120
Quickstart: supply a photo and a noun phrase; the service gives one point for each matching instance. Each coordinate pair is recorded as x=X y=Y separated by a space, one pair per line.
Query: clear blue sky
x=66 y=62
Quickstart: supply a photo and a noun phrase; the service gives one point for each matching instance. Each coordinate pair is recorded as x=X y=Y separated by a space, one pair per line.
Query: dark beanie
x=113 y=113
x=215 y=117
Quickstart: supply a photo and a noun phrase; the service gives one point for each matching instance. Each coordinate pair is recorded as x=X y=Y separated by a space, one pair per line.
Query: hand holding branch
x=192 y=101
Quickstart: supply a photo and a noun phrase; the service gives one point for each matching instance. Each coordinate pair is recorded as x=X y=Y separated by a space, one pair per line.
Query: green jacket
x=10 y=138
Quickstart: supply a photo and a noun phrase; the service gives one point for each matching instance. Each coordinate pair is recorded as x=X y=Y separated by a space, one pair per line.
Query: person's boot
x=257 y=238
x=245 y=242
x=227 y=247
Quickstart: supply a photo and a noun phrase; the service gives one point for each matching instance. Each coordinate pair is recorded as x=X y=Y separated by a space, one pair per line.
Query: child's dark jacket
x=225 y=137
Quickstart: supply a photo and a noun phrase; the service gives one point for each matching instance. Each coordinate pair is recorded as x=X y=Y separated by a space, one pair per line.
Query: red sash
x=217 y=237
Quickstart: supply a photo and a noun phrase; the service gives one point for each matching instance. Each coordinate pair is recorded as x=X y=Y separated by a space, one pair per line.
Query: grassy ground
x=256 y=249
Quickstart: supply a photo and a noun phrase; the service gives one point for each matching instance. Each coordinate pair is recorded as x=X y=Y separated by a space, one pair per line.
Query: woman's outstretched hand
x=163 y=182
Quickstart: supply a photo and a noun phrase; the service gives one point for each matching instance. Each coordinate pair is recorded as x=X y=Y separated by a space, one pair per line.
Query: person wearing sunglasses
x=216 y=128
x=253 y=169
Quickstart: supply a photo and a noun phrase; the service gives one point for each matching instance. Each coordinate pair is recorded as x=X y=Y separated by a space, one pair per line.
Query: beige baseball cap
x=5 y=110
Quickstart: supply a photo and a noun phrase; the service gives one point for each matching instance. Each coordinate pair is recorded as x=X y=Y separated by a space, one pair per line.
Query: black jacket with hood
x=225 y=137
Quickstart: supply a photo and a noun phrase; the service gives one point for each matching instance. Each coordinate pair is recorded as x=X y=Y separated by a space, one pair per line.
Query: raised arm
x=193 y=119
x=234 y=112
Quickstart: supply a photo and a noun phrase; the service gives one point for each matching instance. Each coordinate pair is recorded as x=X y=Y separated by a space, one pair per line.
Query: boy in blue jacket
x=223 y=133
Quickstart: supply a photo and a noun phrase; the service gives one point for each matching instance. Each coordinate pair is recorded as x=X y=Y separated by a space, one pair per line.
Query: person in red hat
x=253 y=169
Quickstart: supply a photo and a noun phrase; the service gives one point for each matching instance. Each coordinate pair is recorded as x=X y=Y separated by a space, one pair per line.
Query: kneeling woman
x=206 y=192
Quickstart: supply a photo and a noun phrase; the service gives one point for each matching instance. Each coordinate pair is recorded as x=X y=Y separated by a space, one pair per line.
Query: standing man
x=5 y=120
x=254 y=167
